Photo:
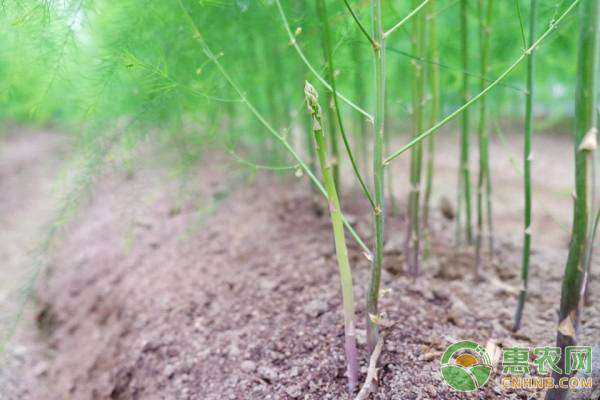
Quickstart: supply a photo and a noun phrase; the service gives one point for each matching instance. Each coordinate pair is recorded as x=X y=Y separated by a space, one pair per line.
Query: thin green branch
x=451 y=68
x=133 y=60
x=405 y=19
x=309 y=65
x=502 y=76
x=250 y=164
x=442 y=9
x=360 y=25
x=518 y=7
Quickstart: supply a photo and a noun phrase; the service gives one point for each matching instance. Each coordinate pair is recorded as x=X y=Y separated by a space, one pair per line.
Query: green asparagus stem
x=527 y=157
x=464 y=189
x=585 y=125
x=434 y=82
x=379 y=211
x=338 y=234
x=413 y=242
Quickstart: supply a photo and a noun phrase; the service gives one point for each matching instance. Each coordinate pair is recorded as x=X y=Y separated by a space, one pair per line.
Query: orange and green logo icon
x=466 y=366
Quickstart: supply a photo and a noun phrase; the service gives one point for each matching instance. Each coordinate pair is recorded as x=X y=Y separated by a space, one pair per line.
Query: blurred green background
x=91 y=67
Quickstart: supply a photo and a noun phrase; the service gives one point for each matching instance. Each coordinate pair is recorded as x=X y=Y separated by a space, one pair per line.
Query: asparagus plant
x=527 y=158
x=434 y=84
x=585 y=134
x=485 y=20
x=335 y=106
x=329 y=75
x=414 y=231
x=496 y=82
x=464 y=187
x=338 y=234
x=208 y=52
x=378 y=41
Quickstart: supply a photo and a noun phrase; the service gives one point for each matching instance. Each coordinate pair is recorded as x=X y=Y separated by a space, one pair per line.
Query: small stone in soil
x=430 y=355
x=169 y=370
x=361 y=336
x=294 y=392
x=268 y=374
x=315 y=308
x=441 y=294
x=248 y=366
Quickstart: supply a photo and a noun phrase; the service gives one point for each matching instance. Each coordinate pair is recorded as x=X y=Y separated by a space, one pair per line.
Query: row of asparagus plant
x=575 y=274
x=331 y=138
x=412 y=248
x=259 y=91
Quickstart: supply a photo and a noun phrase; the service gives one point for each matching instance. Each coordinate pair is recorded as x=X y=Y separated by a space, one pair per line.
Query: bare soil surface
x=227 y=288
x=29 y=164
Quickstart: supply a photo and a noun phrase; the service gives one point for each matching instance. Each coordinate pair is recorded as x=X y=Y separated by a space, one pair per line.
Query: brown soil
x=227 y=288
x=29 y=163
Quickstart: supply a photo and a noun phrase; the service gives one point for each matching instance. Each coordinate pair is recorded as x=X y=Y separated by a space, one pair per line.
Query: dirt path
x=228 y=289
x=29 y=164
